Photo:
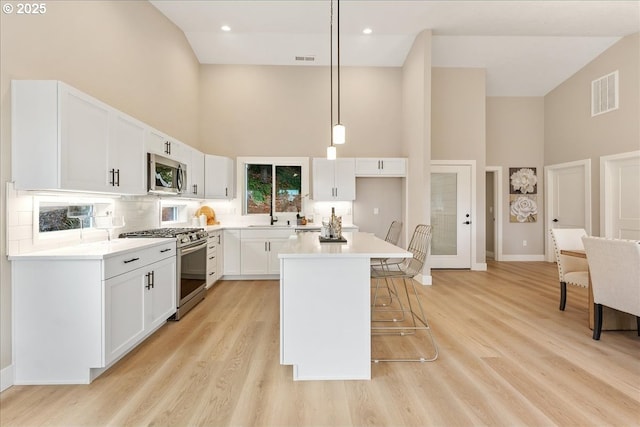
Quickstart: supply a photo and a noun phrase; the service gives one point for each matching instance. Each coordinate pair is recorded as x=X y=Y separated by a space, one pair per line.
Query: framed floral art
x=523 y=186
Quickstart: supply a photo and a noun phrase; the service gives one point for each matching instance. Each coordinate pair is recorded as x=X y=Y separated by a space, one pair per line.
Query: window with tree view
x=264 y=180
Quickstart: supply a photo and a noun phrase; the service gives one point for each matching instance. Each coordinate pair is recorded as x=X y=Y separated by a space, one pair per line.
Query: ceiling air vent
x=307 y=58
x=604 y=94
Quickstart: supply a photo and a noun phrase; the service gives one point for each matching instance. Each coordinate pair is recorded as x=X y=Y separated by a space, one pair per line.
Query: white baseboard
x=6 y=378
x=522 y=258
x=424 y=279
x=479 y=266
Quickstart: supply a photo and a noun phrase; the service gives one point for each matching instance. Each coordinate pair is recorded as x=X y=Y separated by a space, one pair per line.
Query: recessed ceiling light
x=367 y=31
x=225 y=28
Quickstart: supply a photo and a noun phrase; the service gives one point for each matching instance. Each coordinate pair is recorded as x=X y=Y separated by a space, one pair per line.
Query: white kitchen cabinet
x=214 y=257
x=77 y=314
x=384 y=166
x=219 y=177
x=334 y=180
x=159 y=143
x=231 y=244
x=259 y=249
x=65 y=139
x=195 y=170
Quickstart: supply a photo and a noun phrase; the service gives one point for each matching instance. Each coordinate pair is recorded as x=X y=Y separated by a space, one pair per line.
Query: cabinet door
x=231 y=252
x=195 y=169
x=393 y=166
x=159 y=143
x=324 y=179
x=160 y=300
x=124 y=317
x=84 y=133
x=274 y=262
x=220 y=255
x=255 y=256
x=219 y=180
x=345 y=179
x=367 y=167
x=127 y=159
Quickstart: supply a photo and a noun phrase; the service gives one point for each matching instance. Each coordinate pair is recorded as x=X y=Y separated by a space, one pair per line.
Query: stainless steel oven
x=192 y=275
x=191 y=264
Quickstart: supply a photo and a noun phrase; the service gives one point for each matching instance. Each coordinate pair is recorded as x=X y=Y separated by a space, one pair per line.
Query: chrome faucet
x=272 y=218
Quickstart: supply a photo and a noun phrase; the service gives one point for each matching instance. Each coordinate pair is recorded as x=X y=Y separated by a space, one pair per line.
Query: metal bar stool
x=413 y=320
x=393 y=236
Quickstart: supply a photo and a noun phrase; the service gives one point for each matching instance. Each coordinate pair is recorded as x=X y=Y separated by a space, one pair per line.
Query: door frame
x=606 y=226
x=549 y=172
x=497 y=210
x=474 y=264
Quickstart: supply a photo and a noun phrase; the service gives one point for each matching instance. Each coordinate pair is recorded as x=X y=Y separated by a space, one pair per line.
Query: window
x=274 y=185
x=56 y=216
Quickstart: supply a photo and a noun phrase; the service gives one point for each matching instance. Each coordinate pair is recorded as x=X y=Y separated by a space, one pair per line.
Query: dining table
x=612 y=319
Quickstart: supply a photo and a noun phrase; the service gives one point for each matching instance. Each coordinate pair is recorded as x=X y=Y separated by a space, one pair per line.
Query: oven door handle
x=191 y=249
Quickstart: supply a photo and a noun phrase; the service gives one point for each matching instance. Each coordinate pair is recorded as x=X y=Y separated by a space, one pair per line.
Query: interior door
x=568 y=198
x=451 y=216
x=621 y=197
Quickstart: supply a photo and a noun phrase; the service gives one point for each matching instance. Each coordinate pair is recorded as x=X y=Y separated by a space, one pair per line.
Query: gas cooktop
x=183 y=235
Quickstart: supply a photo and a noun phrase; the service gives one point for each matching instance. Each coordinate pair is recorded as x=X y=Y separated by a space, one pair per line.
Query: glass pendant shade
x=331 y=152
x=339 y=134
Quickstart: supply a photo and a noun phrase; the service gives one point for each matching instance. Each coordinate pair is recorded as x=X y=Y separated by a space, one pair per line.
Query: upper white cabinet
x=219 y=177
x=389 y=166
x=195 y=173
x=158 y=143
x=334 y=180
x=65 y=139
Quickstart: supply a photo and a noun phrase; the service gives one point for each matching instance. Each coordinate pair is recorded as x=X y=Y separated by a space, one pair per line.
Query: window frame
x=303 y=162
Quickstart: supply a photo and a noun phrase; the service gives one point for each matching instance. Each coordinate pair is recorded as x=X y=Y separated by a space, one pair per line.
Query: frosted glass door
x=451 y=217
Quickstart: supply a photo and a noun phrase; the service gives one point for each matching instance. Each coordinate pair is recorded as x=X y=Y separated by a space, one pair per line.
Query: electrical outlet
x=524 y=243
x=376 y=211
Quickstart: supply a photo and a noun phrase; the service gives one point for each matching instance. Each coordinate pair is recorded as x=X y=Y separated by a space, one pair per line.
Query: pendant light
x=331 y=149
x=339 y=131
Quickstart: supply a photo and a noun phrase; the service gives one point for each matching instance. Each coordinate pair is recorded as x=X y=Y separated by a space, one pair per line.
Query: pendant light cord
x=338 y=20
x=331 y=70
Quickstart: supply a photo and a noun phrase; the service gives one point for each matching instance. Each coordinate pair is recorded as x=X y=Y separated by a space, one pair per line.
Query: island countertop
x=358 y=245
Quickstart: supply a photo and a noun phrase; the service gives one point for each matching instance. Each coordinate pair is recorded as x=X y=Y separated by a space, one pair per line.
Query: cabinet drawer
x=122 y=263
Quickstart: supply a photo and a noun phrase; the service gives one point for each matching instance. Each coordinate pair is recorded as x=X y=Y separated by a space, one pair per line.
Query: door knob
x=467 y=222
x=555 y=219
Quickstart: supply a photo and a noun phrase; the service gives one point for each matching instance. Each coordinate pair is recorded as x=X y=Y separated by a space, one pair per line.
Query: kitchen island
x=325 y=308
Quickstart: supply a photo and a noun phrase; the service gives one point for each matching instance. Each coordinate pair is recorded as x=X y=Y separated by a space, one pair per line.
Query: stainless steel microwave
x=165 y=176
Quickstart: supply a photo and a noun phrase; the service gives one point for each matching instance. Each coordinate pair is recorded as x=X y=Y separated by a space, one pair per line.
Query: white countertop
x=359 y=245
x=96 y=250
x=306 y=227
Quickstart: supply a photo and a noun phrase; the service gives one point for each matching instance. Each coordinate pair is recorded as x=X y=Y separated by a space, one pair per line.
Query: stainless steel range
x=191 y=269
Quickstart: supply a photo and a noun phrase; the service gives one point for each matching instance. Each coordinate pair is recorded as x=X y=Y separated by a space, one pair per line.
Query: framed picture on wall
x=523 y=208
x=523 y=181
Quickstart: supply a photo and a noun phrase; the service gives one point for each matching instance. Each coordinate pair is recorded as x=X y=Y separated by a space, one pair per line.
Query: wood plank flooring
x=508 y=357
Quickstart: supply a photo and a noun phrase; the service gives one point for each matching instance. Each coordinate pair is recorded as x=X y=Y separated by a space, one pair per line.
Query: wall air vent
x=604 y=94
x=306 y=58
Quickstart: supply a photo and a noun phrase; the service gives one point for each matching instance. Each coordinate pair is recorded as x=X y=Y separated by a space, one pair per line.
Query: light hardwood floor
x=508 y=356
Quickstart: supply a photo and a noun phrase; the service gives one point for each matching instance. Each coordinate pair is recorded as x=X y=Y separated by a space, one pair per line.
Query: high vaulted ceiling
x=527 y=47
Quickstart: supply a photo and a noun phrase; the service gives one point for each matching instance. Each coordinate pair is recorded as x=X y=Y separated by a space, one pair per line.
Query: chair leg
x=638 y=324
x=597 y=321
x=563 y=295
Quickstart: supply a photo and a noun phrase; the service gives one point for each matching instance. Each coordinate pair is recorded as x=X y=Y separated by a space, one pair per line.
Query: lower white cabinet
x=214 y=257
x=136 y=303
x=74 y=316
x=231 y=244
x=259 y=250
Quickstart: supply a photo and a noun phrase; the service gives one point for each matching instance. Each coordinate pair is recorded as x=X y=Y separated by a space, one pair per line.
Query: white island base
x=325 y=309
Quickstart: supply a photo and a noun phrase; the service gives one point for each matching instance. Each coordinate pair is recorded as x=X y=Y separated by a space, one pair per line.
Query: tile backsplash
x=139 y=212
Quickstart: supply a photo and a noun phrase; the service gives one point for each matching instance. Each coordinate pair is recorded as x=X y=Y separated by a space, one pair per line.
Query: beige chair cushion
x=568 y=266
x=615 y=272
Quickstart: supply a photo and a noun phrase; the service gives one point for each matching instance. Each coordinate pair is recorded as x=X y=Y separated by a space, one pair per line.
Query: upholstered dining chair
x=571 y=270
x=614 y=265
